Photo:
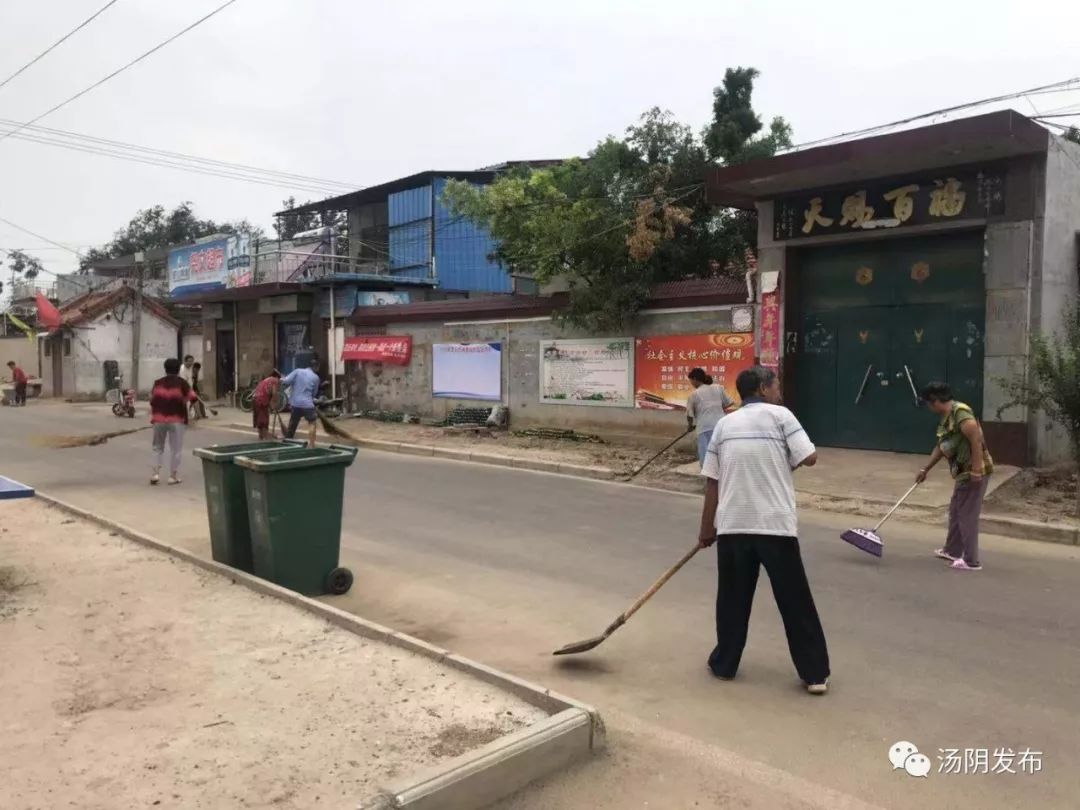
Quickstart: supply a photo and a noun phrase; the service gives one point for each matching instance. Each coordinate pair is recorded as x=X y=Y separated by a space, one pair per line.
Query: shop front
x=925 y=255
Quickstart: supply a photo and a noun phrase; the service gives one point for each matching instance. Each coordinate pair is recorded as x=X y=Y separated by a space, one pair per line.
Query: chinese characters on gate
x=946 y=200
x=953 y=195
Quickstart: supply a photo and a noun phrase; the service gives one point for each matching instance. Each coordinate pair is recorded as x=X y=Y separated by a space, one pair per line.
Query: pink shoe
x=942 y=554
x=960 y=565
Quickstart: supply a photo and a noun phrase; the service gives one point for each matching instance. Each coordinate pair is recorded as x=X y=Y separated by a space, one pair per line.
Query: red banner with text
x=661 y=364
x=770 y=329
x=393 y=349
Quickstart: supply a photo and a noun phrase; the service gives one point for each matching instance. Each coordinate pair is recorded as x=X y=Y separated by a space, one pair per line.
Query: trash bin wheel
x=339 y=581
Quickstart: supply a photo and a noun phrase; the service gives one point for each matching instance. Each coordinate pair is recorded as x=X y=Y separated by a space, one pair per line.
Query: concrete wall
x=1009 y=271
x=108 y=338
x=1054 y=286
x=408 y=388
x=24 y=352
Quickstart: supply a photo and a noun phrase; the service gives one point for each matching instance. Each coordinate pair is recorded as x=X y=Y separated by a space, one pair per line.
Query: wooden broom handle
x=645 y=597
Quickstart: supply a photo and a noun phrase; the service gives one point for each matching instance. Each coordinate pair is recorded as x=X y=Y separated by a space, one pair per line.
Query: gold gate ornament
x=864 y=275
x=920 y=272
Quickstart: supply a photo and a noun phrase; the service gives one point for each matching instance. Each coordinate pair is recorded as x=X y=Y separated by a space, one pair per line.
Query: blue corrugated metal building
x=405 y=224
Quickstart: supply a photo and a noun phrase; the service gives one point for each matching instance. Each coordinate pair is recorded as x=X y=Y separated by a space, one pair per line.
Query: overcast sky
x=365 y=92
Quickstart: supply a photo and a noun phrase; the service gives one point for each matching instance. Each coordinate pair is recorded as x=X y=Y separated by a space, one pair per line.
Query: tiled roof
x=92 y=305
x=671 y=294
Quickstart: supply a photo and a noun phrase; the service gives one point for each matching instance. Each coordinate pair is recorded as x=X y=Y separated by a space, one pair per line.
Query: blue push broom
x=869 y=540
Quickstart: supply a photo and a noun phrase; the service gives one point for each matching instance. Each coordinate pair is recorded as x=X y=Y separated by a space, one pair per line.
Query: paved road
x=504 y=566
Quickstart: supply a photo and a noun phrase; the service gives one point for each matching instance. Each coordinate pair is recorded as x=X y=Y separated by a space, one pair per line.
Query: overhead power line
x=1056 y=87
x=53 y=242
x=175 y=164
x=59 y=42
x=121 y=69
x=320 y=184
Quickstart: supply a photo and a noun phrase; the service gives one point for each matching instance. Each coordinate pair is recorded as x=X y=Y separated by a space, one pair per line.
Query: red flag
x=47 y=314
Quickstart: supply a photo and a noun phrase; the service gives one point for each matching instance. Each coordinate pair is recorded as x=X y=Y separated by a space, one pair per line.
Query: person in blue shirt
x=303 y=387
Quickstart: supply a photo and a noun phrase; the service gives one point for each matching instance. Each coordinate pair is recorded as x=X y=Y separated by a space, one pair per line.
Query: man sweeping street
x=18 y=376
x=750 y=515
x=303 y=385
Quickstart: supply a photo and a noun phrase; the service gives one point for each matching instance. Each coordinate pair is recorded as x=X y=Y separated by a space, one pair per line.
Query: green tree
x=1052 y=384
x=288 y=224
x=291 y=222
x=1073 y=134
x=733 y=134
x=156 y=228
x=633 y=213
x=24 y=265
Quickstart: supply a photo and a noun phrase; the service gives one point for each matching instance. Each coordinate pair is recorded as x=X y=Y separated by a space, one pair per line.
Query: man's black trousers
x=739 y=560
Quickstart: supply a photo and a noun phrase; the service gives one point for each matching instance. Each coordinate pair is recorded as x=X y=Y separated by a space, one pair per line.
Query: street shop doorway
x=878 y=321
x=293 y=341
x=226 y=362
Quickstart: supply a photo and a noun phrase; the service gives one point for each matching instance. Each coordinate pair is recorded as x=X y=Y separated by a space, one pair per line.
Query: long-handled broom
x=667 y=447
x=869 y=540
x=67 y=442
x=333 y=430
x=621 y=619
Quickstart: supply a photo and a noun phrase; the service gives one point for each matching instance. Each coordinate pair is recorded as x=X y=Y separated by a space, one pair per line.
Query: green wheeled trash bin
x=294 y=501
x=226 y=501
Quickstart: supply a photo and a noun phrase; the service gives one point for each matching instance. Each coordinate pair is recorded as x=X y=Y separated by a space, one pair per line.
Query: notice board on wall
x=467 y=371
x=594 y=371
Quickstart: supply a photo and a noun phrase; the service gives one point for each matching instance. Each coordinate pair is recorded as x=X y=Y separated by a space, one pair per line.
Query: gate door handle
x=911 y=382
x=862 y=387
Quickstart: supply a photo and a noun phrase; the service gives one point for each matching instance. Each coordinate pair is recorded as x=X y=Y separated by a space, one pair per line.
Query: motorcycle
x=122 y=399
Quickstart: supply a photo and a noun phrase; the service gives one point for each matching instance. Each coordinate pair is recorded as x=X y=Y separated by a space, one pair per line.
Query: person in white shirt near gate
x=749 y=514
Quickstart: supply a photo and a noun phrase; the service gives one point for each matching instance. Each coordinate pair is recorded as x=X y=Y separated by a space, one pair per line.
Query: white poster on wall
x=335 y=342
x=594 y=371
x=467 y=371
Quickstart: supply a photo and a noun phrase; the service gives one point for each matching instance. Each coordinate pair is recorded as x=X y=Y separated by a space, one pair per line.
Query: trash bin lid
x=225 y=453
x=297 y=458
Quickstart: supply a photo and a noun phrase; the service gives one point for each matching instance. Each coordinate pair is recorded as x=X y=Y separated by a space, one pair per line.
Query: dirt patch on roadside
x=1047 y=495
x=620 y=457
x=13 y=582
x=455 y=740
x=132 y=679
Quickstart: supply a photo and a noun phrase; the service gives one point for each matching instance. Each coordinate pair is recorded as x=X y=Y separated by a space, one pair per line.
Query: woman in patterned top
x=960 y=440
x=169 y=401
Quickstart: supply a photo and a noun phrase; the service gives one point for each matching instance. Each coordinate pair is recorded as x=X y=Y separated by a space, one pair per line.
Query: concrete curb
x=472 y=780
x=492 y=459
x=1021 y=529
x=479 y=778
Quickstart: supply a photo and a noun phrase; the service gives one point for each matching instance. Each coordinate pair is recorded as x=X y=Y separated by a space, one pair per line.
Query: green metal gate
x=879 y=321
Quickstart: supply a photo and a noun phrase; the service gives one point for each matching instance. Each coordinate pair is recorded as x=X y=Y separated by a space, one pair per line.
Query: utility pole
x=136 y=322
x=333 y=346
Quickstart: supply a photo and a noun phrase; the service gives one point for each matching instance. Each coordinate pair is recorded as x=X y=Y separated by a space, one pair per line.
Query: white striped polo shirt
x=752 y=454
